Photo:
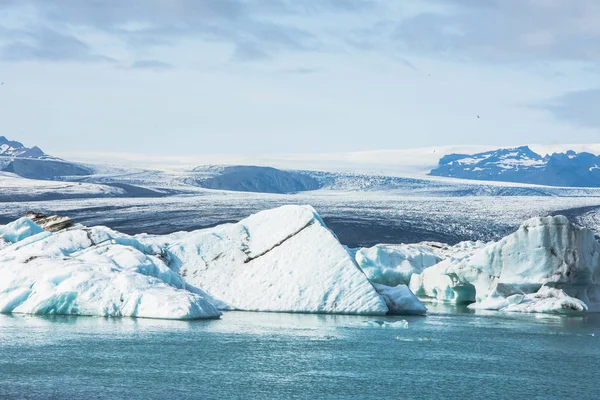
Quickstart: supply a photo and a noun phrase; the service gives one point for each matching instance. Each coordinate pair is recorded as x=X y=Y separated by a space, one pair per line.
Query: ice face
x=545 y=260
x=400 y=300
x=393 y=265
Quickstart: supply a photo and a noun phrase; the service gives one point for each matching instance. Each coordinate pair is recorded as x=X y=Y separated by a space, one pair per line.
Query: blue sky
x=196 y=77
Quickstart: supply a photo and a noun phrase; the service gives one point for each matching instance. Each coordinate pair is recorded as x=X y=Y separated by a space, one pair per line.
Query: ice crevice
x=254 y=257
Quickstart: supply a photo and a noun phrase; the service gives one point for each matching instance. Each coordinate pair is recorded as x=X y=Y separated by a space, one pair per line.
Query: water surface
x=447 y=354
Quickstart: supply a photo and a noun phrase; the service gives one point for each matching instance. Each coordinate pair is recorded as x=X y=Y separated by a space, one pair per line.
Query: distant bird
x=478 y=116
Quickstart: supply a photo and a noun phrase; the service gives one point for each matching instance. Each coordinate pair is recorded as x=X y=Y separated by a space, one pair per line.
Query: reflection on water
x=451 y=353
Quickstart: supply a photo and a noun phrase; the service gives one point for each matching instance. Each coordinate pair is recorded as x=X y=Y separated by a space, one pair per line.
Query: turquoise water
x=448 y=354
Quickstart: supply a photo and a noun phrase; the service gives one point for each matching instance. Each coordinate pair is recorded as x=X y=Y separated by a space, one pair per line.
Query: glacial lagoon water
x=451 y=353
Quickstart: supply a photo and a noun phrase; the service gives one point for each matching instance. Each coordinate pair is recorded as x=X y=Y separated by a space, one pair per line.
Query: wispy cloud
x=48 y=45
x=299 y=71
x=154 y=65
x=578 y=107
x=486 y=31
x=506 y=31
x=251 y=28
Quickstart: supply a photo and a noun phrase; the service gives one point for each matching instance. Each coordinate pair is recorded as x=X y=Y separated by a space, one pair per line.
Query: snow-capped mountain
x=12 y=148
x=523 y=165
x=32 y=162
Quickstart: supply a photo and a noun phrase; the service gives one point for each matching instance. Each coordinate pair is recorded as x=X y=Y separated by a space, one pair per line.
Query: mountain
x=33 y=163
x=522 y=165
x=12 y=148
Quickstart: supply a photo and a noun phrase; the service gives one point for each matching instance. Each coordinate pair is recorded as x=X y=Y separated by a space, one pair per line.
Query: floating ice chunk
x=545 y=300
x=51 y=286
x=403 y=324
x=19 y=230
x=400 y=300
x=66 y=273
x=542 y=252
x=393 y=265
x=413 y=339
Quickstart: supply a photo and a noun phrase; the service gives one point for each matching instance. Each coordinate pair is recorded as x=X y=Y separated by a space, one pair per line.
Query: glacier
x=547 y=265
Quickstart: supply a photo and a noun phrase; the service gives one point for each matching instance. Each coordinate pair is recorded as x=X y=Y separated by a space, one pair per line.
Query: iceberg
x=402 y=324
x=283 y=260
x=85 y=272
x=393 y=265
x=280 y=260
x=400 y=300
x=545 y=300
x=547 y=265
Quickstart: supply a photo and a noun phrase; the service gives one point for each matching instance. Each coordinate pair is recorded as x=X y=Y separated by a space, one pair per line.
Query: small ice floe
x=388 y=324
x=409 y=339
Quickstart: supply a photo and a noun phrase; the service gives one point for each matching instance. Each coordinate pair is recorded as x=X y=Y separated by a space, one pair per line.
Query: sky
x=194 y=78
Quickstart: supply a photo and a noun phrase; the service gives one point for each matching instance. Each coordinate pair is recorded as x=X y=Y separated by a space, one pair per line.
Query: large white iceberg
x=282 y=260
x=86 y=272
x=547 y=265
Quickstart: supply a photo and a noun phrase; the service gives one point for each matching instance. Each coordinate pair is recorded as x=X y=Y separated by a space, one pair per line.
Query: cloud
x=48 y=45
x=154 y=65
x=506 y=31
x=251 y=28
x=491 y=31
x=299 y=71
x=250 y=52
x=578 y=107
